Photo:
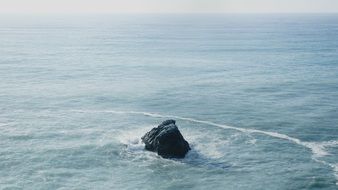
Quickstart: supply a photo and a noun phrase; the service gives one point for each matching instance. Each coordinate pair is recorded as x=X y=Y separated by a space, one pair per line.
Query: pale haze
x=164 y=6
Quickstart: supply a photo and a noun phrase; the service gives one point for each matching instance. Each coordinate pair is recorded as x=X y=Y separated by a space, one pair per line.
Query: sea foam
x=317 y=148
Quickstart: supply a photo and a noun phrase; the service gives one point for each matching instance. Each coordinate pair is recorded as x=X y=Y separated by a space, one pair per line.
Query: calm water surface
x=255 y=95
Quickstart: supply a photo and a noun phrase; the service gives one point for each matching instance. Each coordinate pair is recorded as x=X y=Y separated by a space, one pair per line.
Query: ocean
x=255 y=95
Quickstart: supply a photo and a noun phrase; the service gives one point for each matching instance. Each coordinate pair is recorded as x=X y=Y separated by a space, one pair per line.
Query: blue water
x=255 y=95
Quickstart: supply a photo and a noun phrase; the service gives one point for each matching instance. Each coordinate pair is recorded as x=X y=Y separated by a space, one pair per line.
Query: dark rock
x=166 y=140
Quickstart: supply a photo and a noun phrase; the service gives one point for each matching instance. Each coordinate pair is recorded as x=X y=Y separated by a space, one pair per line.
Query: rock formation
x=166 y=140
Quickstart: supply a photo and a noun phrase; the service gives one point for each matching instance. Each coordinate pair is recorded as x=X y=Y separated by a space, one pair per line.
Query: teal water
x=255 y=95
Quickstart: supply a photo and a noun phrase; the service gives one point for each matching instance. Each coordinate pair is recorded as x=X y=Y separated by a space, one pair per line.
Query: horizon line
x=141 y=12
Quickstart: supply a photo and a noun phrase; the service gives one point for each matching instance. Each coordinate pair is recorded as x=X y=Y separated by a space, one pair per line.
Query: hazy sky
x=116 y=6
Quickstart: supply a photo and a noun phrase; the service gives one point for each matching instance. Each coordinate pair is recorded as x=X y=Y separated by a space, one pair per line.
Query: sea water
x=255 y=95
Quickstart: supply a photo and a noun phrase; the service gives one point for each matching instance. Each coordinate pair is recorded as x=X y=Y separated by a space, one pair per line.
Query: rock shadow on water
x=196 y=159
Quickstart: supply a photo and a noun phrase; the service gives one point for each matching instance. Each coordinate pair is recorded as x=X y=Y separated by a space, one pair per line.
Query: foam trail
x=318 y=149
x=330 y=143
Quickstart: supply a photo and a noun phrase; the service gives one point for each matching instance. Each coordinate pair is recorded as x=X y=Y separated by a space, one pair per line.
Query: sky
x=168 y=6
